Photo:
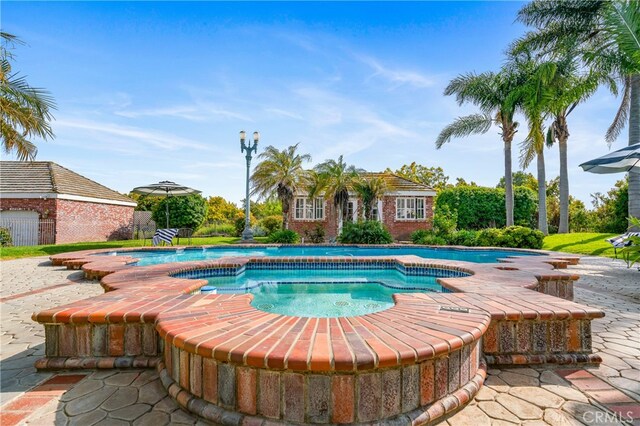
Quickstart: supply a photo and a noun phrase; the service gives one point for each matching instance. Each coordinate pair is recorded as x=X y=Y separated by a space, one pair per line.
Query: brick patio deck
x=484 y=405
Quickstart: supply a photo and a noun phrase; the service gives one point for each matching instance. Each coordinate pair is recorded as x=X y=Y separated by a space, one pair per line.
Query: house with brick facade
x=42 y=202
x=406 y=207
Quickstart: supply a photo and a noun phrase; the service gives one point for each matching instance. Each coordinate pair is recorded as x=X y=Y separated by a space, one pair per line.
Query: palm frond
x=464 y=126
x=622 y=115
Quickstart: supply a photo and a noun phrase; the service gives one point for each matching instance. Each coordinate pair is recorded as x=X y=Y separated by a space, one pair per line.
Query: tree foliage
x=220 y=210
x=146 y=203
x=280 y=174
x=336 y=179
x=433 y=177
x=521 y=178
x=481 y=207
x=612 y=209
x=25 y=111
x=370 y=190
x=184 y=212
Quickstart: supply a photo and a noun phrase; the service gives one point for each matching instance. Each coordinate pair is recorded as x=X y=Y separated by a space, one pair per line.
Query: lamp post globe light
x=246 y=146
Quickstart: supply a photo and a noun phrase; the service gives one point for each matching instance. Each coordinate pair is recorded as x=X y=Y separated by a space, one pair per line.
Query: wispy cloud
x=195 y=112
x=398 y=77
x=283 y=113
x=134 y=134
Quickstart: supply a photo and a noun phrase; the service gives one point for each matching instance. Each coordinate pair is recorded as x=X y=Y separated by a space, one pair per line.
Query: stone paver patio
x=609 y=394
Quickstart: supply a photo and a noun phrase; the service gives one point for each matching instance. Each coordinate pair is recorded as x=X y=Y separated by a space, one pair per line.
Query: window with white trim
x=410 y=208
x=309 y=209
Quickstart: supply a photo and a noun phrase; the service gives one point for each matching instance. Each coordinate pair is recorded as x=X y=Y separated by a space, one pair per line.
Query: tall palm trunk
x=634 y=137
x=563 y=137
x=286 y=206
x=508 y=180
x=542 y=194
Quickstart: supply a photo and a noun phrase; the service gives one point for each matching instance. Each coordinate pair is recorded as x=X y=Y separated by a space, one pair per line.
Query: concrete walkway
x=608 y=395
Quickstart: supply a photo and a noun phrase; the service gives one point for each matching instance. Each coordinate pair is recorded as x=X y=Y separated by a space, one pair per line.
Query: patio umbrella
x=626 y=159
x=168 y=188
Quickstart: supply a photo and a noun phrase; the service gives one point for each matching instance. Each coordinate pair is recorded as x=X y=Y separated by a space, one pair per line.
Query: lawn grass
x=588 y=243
x=7 y=253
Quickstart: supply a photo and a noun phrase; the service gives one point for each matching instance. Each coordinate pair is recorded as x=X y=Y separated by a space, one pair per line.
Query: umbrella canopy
x=166 y=188
x=623 y=160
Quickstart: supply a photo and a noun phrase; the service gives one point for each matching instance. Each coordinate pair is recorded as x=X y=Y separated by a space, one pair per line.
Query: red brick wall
x=79 y=221
x=46 y=208
x=329 y=223
x=400 y=229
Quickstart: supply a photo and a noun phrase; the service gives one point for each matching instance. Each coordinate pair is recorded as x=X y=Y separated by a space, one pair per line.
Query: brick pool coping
x=220 y=357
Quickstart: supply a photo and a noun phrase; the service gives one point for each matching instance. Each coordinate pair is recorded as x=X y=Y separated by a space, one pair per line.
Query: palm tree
x=370 y=190
x=490 y=92
x=569 y=88
x=25 y=111
x=608 y=36
x=338 y=179
x=280 y=173
x=532 y=97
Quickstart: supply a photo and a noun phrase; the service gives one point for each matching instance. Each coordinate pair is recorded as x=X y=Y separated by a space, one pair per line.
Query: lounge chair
x=164 y=236
x=622 y=241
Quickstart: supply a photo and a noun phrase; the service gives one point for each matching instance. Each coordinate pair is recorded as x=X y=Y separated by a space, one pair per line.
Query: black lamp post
x=247 y=234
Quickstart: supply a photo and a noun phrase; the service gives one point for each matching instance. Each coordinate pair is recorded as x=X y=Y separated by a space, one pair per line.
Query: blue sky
x=151 y=91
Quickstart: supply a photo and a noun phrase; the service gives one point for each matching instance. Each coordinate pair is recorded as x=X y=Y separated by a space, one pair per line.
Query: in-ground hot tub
x=330 y=361
x=322 y=290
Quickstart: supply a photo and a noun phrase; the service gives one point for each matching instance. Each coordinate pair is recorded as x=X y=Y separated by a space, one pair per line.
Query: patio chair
x=164 y=236
x=184 y=233
x=146 y=232
x=622 y=241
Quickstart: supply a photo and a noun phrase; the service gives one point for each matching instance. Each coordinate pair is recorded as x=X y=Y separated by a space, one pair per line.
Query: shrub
x=464 y=237
x=364 y=232
x=479 y=207
x=216 y=229
x=5 y=238
x=445 y=221
x=417 y=236
x=271 y=224
x=184 y=212
x=316 y=235
x=259 y=231
x=521 y=237
x=429 y=238
x=283 y=236
x=489 y=237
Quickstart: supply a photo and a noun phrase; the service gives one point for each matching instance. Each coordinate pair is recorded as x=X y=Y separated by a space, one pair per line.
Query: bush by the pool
x=283 y=236
x=513 y=236
x=364 y=232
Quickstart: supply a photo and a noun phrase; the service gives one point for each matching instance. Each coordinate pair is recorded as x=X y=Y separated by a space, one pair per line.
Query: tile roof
x=397 y=183
x=49 y=177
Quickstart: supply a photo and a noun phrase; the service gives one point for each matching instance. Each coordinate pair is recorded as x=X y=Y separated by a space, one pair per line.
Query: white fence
x=30 y=232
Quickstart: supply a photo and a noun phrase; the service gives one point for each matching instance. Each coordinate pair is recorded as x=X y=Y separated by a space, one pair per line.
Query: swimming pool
x=155 y=257
x=323 y=293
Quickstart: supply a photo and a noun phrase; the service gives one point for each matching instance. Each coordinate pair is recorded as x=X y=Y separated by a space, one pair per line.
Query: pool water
x=323 y=293
x=195 y=254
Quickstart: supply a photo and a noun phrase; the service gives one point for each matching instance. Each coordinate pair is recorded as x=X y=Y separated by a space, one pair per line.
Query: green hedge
x=480 y=207
x=513 y=236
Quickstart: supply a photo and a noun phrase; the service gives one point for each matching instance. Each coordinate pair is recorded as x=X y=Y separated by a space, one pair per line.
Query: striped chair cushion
x=165 y=235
